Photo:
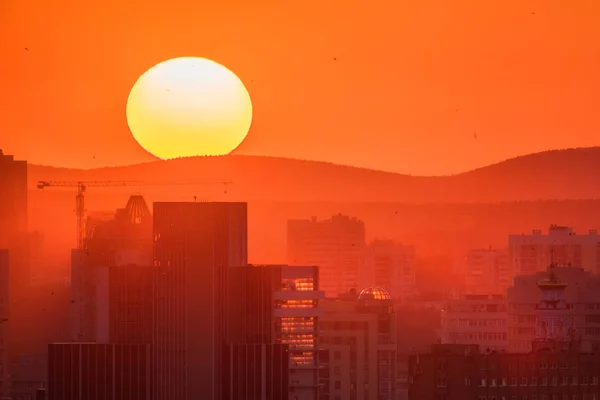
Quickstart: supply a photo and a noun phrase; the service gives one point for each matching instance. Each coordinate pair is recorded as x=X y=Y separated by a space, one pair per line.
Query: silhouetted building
x=561 y=246
x=195 y=246
x=359 y=349
x=277 y=306
x=256 y=371
x=84 y=371
x=40 y=394
x=4 y=320
x=13 y=199
x=336 y=245
x=109 y=246
x=124 y=304
x=29 y=375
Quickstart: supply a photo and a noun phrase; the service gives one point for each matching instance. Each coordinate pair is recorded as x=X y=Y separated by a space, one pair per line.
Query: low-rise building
x=476 y=319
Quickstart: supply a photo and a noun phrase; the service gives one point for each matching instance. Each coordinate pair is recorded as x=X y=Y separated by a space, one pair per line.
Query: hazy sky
x=412 y=83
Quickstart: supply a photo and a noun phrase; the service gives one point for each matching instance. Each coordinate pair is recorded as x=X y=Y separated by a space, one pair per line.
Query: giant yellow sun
x=189 y=106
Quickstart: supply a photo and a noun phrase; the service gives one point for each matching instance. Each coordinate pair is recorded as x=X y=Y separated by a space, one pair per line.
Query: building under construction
x=110 y=273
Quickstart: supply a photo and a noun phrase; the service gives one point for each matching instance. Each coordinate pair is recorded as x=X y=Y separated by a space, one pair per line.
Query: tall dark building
x=4 y=320
x=195 y=246
x=84 y=371
x=256 y=371
x=13 y=199
x=271 y=333
x=130 y=303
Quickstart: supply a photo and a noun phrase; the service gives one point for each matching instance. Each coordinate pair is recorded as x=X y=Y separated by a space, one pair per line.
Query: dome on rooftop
x=374 y=293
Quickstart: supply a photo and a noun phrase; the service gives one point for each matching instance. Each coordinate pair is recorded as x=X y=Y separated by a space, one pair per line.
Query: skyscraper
x=13 y=198
x=271 y=308
x=194 y=246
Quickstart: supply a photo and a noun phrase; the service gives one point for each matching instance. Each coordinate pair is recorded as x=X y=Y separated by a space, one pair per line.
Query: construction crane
x=80 y=199
x=83 y=185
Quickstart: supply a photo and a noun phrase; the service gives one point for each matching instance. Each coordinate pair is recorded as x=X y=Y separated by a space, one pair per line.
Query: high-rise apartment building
x=336 y=245
x=195 y=246
x=560 y=246
x=391 y=266
x=358 y=347
x=487 y=271
x=83 y=371
x=4 y=321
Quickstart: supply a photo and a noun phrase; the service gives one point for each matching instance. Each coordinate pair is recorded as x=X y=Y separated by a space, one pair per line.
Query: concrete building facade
x=391 y=266
x=359 y=349
x=559 y=366
x=487 y=271
x=336 y=245
x=560 y=246
x=476 y=319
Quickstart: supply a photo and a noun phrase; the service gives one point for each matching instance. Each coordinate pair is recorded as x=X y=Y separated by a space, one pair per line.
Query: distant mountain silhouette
x=558 y=174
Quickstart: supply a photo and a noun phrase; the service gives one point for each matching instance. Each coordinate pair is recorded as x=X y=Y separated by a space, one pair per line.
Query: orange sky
x=524 y=82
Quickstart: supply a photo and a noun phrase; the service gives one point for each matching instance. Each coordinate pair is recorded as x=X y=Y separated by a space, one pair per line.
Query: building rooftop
x=374 y=293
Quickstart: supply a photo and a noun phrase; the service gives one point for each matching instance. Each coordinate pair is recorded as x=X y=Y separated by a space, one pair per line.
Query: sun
x=189 y=106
